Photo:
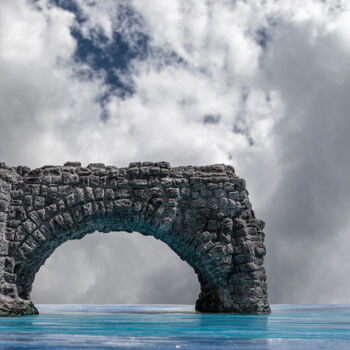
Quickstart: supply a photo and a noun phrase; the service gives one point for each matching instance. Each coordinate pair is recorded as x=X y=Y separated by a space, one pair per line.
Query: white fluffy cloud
x=261 y=85
x=177 y=97
x=37 y=92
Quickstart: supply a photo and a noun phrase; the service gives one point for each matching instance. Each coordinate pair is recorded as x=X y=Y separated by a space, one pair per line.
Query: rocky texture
x=16 y=307
x=202 y=213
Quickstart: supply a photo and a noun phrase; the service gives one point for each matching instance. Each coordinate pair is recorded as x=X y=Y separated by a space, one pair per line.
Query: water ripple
x=177 y=327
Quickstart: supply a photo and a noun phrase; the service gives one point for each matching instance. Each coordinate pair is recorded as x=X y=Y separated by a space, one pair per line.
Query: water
x=177 y=327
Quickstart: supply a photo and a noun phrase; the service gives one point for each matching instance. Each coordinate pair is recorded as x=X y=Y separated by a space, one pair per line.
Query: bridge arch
x=202 y=213
x=117 y=267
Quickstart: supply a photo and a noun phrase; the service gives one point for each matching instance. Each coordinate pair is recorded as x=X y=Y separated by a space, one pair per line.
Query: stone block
x=166 y=182
x=248 y=267
x=123 y=184
x=94 y=181
x=79 y=195
x=213 y=225
x=51 y=210
x=163 y=172
x=228 y=186
x=98 y=193
x=242 y=259
x=172 y=192
x=87 y=209
x=4 y=247
x=144 y=172
x=260 y=251
x=34 y=216
x=122 y=194
x=39 y=202
x=204 y=237
x=223 y=203
x=156 y=192
x=89 y=194
x=234 y=195
x=3 y=217
x=62 y=191
x=96 y=165
x=139 y=183
x=205 y=247
x=43 y=214
x=170 y=202
x=224 y=238
x=228 y=248
x=72 y=164
x=109 y=194
x=213 y=203
x=61 y=205
x=155 y=171
x=28 y=226
x=4 y=205
x=69 y=178
x=199 y=203
x=121 y=204
x=78 y=214
x=194 y=195
x=100 y=172
x=163 y=164
x=185 y=192
x=39 y=236
x=220 y=193
x=133 y=172
x=204 y=193
x=109 y=207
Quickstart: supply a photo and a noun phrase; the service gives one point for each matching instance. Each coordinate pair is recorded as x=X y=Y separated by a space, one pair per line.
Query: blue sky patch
x=211 y=119
x=111 y=57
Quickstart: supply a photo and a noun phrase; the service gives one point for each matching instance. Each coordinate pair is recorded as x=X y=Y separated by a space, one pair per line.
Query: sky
x=261 y=85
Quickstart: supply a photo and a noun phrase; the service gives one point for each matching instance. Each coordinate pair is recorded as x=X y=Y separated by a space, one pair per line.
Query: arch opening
x=202 y=213
x=115 y=268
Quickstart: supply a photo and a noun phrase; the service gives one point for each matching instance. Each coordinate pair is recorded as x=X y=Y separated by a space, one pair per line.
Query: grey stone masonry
x=201 y=212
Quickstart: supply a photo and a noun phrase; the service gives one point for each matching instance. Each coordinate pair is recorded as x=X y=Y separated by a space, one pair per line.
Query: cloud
x=66 y=101
x=115 y=268
x=262 y=86
x=37 y=92
x=307 y=61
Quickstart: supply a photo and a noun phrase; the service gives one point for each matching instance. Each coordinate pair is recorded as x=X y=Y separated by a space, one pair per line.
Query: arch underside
x=202 y=213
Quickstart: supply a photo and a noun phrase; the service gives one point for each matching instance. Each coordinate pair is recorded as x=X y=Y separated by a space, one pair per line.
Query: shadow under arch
x=202 y=213
x=115 y=268
x=64 y=232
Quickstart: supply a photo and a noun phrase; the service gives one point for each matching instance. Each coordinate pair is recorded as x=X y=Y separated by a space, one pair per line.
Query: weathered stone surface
x=203 y=213
x=16 y=307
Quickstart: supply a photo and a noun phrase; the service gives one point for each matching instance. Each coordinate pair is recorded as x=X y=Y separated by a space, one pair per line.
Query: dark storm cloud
x=308 y=212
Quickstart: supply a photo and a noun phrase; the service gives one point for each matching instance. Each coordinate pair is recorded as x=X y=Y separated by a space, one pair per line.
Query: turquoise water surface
x=177 y=327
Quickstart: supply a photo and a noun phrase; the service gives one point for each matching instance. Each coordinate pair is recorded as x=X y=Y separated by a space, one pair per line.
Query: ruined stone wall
x=202 y=213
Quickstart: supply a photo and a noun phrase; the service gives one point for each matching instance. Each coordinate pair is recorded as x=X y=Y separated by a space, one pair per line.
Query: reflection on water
x=177 y=327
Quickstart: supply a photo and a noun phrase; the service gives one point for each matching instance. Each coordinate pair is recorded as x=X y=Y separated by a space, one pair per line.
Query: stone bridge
x=201 y=212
